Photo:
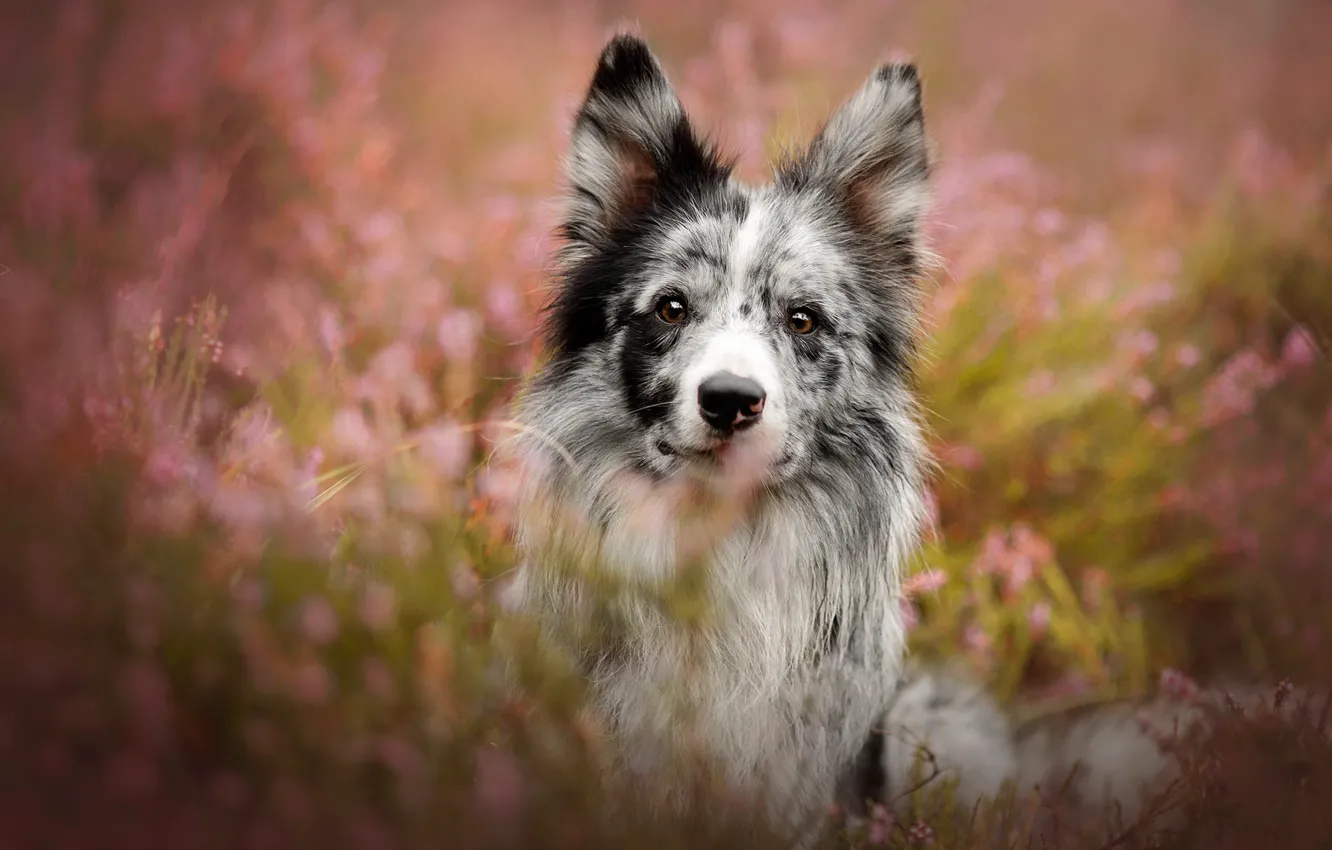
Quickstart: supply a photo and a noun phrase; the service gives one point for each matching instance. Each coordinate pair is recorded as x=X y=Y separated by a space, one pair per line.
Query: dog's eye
x=672 y=310
x=802 y=321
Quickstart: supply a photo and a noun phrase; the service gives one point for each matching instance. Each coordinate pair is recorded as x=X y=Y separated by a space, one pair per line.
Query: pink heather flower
x=379 y=227
x=499 y=783
x=1041 y=383
x=464 y=580
x=378 y=607
x=351 y=433
x=319 y=622
x=920 y=833
x=1031 y=544
x=1234 y=389
x=1038 y=618
x=1298 y=349
x=927 y=581
x=975 y=638
x=1067 y=686
x=311 y=683
x=457 y=335
x=378 y=679
x=249 y=595
x=1188 y=356
x=402 y=758
x=165 y=463
x=446 y=447
x=965 y=457
x=877 y=833
x=910 y=617
x=993 y=553
x=505 y=307
x=1048 y=222
x=1020 y=570
x=1141 y=388
x=1180 y=687
x=1144 y=342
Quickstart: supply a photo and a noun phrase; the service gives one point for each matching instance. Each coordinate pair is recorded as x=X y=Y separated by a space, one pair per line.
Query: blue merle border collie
x=719 y=349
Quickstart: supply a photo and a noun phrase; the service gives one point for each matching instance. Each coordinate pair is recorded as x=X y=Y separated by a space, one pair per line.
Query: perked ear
x=873 y=153
x=631 y=143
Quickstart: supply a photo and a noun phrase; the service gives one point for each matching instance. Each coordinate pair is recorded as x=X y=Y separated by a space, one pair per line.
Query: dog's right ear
x=632 y=143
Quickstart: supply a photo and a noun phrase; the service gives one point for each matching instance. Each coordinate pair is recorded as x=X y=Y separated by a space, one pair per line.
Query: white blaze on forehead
x=735 y=348
x=745 y=249
x=734 y=345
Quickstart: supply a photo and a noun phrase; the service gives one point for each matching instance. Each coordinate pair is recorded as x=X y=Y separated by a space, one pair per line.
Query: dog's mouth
x=713 y=453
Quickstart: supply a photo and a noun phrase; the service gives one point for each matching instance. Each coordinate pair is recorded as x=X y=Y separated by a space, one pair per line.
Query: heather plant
x=262 y=307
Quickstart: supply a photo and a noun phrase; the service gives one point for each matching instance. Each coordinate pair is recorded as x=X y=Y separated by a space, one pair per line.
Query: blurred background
x=269 y=272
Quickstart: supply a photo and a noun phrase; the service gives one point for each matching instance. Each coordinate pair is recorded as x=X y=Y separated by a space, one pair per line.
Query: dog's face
x=754 y=321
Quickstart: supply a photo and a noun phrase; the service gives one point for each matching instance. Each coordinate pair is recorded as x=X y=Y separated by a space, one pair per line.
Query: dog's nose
x=729 y=402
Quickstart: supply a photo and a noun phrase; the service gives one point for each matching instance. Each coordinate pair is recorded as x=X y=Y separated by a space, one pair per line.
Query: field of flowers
x=269 y=273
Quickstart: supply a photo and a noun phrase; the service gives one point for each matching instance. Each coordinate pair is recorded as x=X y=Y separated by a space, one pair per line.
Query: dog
x=708 y=334
x=725 y=399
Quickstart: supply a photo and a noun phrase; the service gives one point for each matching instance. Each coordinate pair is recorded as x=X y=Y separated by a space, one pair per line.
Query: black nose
x=729 y=402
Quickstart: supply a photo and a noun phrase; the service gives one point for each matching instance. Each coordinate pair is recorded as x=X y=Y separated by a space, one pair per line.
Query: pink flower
x=920 y=833
x=351 y=433
x=1180 y=687
x=1041 y=383
x=378 y=607
x=975 y=638
x=499 y=783
x=378 y=679
x=1038 y=618
x=1299 y=349
x=927 y=581
x=446 y=447
x=965 y=457
x=505 y=307
x=877 y=833
x=310 y=683
x=1188 y=356
x=319 y=622
x=1048 y=221
x=1141 y=388
x=458 y=334
x=910 y=617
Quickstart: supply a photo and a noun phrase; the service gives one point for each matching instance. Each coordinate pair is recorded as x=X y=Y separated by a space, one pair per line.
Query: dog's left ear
x=632 y=142
x=874 y=155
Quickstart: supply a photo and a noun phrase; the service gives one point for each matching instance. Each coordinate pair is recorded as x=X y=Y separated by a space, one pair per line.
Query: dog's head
x=762 y=318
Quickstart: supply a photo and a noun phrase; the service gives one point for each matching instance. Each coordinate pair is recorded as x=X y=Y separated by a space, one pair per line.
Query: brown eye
x=802 y=322
x=672 y=310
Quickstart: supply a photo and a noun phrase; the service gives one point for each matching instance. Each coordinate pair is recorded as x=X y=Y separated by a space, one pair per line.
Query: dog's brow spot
x=746 y=309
